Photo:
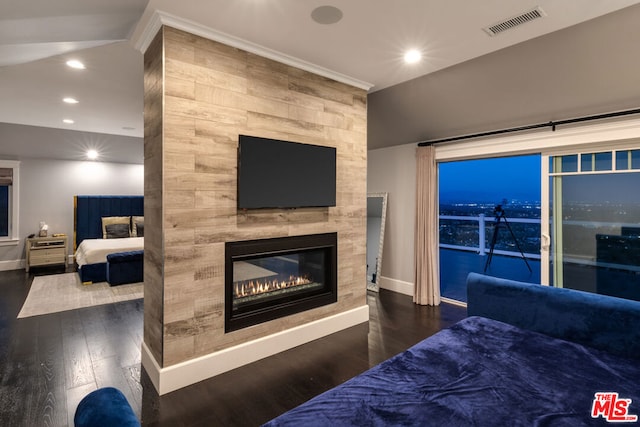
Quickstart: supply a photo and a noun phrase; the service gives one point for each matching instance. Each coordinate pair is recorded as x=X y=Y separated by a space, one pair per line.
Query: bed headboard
x=89 y=210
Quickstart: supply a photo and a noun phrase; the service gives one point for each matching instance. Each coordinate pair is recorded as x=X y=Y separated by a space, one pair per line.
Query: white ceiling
x=38 y=36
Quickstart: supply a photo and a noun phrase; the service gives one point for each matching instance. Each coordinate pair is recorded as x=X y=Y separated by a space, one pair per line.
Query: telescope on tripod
x=501 y=219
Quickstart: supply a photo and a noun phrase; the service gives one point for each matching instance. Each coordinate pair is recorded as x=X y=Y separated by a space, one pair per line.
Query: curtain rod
x=551 y=124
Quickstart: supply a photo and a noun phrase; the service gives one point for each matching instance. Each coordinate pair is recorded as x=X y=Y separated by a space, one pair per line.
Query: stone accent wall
x=211 y=93
x=153 y=244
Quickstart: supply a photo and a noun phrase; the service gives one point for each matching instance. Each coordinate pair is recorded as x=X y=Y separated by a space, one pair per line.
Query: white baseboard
x=406 y=288
x=192 y=371
x=17 y=264
x=395 y=285
x=453 y=302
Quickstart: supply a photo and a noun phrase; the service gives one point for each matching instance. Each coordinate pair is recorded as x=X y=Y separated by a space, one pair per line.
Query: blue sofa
x=105 y=407
x=598 y=321
x=526 y=355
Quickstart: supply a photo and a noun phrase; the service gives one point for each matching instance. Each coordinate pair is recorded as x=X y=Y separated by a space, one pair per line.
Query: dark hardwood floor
x=48 y=363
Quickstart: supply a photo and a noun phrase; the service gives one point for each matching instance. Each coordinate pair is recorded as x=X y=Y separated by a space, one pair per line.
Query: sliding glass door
x=591 y=225
x=489 y=220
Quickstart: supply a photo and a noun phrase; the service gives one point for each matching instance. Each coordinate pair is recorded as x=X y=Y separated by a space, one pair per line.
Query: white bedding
x=93 y=251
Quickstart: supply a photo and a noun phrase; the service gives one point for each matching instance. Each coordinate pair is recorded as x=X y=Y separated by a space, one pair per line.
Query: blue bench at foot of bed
x=93 y=273
x=125 y=267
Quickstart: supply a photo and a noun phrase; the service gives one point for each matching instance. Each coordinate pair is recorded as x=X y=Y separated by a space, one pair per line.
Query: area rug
x=61 y=292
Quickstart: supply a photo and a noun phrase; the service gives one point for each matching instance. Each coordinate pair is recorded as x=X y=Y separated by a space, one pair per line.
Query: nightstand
x=43 y=251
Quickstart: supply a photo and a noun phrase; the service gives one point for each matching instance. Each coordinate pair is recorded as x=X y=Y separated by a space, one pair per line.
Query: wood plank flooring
x=49 y=363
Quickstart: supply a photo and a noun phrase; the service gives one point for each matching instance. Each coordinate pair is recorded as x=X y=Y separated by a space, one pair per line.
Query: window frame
x=14 y=202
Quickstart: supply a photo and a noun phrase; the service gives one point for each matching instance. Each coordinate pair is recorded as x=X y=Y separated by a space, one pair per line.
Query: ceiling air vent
x=515 y=21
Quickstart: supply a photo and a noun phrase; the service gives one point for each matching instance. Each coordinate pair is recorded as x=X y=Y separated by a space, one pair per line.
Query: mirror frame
x=376 y=286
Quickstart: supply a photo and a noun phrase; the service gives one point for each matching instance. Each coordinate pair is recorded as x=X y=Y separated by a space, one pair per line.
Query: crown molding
x=142 y=38
x=160 y=18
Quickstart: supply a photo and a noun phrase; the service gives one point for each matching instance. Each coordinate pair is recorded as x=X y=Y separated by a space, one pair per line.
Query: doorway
x=489 y=220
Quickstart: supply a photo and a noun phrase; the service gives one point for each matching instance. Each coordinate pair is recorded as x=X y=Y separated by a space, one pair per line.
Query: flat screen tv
x=281 y=174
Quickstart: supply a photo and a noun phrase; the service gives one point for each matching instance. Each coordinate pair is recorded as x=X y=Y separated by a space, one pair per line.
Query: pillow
x=108 y=220
x=117 y=231
x=137 y=226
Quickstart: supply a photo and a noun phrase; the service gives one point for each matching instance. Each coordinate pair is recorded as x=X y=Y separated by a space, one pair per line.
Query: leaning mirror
x=376 y=218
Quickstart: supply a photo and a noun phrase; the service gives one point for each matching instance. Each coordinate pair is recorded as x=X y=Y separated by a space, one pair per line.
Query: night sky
x=490 y=180
x=518 y=178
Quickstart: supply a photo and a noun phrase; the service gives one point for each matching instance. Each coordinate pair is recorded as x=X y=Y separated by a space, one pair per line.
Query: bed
x=526 y=355
x=90 y=246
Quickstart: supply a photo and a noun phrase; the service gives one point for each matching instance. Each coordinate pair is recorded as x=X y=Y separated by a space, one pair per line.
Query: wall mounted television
x=282 y=174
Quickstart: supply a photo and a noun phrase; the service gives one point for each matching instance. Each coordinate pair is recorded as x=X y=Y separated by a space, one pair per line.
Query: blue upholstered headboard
x=89 y=210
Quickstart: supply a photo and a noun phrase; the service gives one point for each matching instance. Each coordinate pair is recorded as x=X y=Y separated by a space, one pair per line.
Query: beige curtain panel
x=427 y=277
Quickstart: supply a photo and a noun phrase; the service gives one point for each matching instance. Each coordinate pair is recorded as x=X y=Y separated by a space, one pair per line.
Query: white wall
x=47 y=188
x=393 y=170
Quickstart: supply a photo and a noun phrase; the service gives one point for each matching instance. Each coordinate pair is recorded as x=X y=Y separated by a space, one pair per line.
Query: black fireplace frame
x=247 y=249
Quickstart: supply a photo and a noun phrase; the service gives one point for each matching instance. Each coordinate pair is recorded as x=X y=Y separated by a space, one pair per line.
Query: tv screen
x=281 y=174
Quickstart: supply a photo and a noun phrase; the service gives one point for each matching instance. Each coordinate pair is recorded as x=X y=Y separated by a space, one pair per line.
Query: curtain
x=427 y=283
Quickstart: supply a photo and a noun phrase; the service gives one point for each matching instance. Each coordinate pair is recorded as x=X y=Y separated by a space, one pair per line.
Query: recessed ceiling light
x=70 y=100
x=68 y=121
x=412 y=56
x=92 y=154
x=74 y=63
x=326 y=15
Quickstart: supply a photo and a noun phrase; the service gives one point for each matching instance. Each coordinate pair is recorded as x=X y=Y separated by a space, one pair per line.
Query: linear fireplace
x=271 y=278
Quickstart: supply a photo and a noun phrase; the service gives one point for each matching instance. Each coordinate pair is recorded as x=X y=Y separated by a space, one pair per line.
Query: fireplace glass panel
x=259 y=281
x=271 y=278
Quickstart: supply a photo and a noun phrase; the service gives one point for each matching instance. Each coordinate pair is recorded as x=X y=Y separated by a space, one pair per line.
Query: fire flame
x=256 y=287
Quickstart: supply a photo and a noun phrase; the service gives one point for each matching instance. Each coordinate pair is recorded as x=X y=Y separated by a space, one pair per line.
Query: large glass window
x=489 y=220
x=569 y=157
x=595 y=216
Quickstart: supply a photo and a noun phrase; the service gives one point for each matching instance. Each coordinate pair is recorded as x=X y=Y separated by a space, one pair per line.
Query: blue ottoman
x=105 y=407
x=125 y=267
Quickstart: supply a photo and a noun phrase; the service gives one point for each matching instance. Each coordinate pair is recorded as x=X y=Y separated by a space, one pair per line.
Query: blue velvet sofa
x=105 y=407
x=125 y=267
x=526 y=355
x=598 y=321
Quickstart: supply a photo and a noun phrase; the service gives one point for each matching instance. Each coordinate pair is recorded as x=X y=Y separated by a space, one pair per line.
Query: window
x=576 y=159
x=595 y=222
x=4 y=210
x=9 y=183
x=475 y=198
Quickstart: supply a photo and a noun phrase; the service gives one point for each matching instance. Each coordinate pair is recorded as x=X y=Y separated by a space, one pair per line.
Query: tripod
x=500 y=218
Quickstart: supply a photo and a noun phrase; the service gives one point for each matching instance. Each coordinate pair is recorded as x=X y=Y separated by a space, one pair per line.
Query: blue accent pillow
x=117 y=231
